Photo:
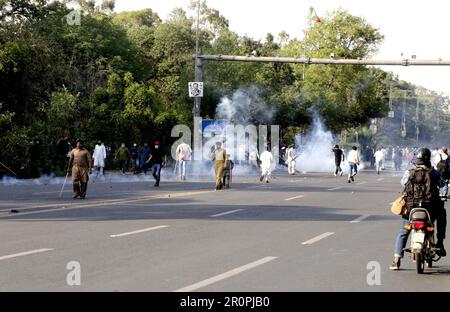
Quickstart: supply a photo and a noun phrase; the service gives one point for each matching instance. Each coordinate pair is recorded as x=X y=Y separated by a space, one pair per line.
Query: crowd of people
x=82 y=164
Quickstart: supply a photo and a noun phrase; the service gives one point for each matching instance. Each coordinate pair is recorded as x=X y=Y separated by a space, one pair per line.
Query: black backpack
x=443 y=167
x=419 y=189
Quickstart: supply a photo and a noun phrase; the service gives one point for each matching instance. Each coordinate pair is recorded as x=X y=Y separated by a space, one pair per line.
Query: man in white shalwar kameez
x=266 y=165
x=184 y=152
x=99 y=157
x=291 y=156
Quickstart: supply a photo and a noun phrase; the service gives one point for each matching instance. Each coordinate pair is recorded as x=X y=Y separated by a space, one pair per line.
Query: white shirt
x=266 y=159
x=184 y=151
x=99 y=155
x=353 y=157
x=384 y=153
x=379 y=156
x=435 y=158
x=291 y=153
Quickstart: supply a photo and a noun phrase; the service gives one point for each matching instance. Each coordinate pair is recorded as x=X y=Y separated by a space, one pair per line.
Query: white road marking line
x=317 y=238
x=380 y=179
x=140 y=231
x=226 y=275
x=26 y=253
x=361 y=183
x=296 y=197
x=53 y=192
x=226 y=213
x=362 y=218
x=335 y=189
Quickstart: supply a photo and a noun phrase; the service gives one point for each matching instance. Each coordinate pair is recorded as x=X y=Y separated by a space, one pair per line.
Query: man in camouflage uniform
x=80 y=165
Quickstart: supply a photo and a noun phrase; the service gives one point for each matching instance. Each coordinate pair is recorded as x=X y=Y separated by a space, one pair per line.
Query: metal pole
x=304 y=60
x=198 y=78
x=198 y=28
x=417 y=121
x=198 y=64
x=404 y=116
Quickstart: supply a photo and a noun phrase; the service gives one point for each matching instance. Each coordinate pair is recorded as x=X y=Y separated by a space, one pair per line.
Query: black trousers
x=439 y=214
x=226 y=180
x=338 y=167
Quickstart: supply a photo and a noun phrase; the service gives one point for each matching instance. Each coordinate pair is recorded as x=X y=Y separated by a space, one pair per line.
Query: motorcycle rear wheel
x=430 y=262
x=420 y=262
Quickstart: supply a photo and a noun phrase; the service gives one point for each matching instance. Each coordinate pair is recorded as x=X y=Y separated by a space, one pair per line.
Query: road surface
x=309 y=232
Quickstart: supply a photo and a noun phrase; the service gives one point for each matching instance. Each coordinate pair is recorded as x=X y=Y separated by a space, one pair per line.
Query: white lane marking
x=226 y=213
x=140 y=231
x=335 y=189
x=53 y=192
x=26 y=253
x=296 y=197
x=317 y=238
x=361 y=183
x=362 y=218
x=226 y=275
x=380 y=179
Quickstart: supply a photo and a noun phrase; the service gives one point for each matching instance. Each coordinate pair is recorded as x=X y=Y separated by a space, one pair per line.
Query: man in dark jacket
x=435 y=207
x=338 y=159
x=158 y=160
x=134 y=154
x=123 y=156
x=144 y=154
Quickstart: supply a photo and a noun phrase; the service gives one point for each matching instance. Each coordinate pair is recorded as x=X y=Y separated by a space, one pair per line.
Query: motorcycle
x=422 y=247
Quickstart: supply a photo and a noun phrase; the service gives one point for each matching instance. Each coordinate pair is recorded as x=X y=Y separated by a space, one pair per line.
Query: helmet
x=423 y=154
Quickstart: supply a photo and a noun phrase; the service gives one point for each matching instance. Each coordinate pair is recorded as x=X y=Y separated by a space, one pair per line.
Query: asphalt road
x=309 y=232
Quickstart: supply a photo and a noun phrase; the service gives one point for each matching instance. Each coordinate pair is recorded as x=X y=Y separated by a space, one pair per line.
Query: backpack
x=418 y=189
x=443 y=167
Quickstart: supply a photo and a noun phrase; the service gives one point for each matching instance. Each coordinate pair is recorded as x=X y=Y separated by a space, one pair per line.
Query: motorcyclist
x=435 y=207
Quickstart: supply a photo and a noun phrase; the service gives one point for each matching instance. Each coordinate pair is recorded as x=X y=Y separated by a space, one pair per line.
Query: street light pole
x=198 y=64
x=417 y=122
x=404 y=115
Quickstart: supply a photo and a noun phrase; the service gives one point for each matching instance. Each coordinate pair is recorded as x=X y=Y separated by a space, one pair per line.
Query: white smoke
x=43 y=180
x=167 y=174
x=244 y=107
x=314 y=149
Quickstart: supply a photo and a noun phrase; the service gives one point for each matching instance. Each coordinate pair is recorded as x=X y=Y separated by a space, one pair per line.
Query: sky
x=410 y=27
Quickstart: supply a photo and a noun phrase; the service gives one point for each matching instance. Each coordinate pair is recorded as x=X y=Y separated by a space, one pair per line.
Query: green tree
x=346 y=96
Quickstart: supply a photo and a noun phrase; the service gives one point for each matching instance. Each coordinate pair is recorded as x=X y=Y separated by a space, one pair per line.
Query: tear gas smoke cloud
x=244 y=107
x=314 y=150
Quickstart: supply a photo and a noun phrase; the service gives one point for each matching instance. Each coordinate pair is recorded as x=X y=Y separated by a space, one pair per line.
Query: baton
x=64 y=184
x=8 y=168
